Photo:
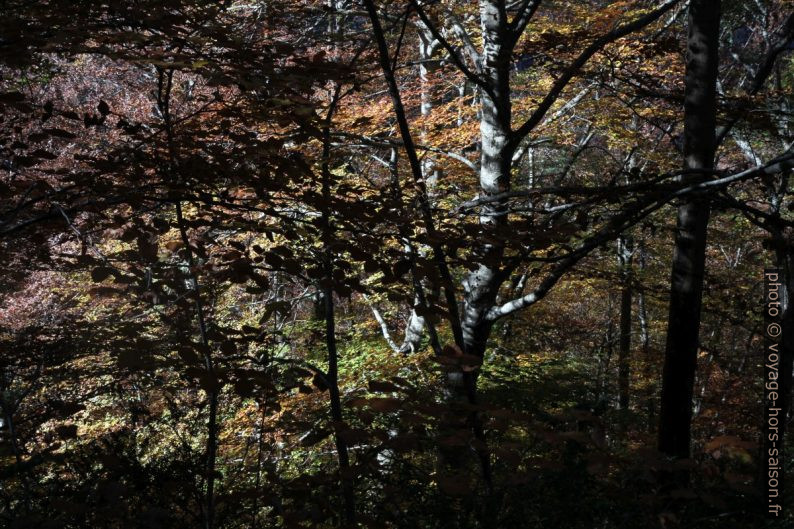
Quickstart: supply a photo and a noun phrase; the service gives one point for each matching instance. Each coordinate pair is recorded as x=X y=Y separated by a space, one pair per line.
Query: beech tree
x=686 y=290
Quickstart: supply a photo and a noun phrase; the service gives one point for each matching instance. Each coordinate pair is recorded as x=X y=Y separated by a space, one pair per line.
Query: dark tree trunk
x=602 y=391
x=332 y=375
x=212 y=392
x=686 y=284
x=348 y=493
x=625 y=257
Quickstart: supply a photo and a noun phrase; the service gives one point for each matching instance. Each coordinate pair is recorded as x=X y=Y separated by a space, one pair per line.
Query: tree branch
x=416 y=170
x=629 y=218
x=384 y=328
x=526 y=10
x=453 y=55
x=785 y=36
x=580 y=61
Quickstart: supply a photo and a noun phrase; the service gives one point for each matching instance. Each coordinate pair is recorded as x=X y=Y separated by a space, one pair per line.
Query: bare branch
x=526 y=10
x=453 y=55
x=384 y=328
x=784 y=37
x=569 y=73
x=627 y=219
x=389 y=142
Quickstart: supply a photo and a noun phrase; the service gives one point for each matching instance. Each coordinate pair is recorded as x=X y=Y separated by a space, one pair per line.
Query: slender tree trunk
x=645 y=342
x=425 y=210
x=414 y=331
x=642 y=308
x=164 y=88
x=607 y=349
x=428 y=47
x=686 y=285
x=212 y=392
x=332 y=375
x=625 y=257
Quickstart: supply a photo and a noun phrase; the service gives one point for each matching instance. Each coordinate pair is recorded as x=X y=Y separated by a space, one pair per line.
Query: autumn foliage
x=384 y=264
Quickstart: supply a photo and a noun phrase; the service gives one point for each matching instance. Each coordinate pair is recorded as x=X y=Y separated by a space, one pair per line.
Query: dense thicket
x=391 y=264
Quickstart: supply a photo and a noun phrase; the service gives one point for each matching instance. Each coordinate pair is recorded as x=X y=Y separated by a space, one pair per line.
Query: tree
x=686 y=286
